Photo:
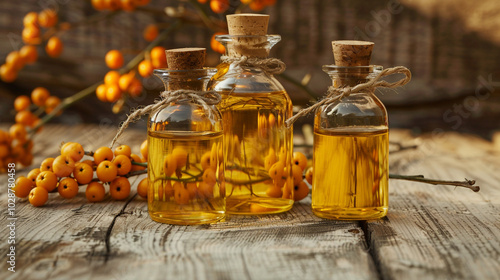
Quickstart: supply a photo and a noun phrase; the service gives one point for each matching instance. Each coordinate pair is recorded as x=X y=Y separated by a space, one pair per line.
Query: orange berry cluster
x=69 y=170
x=200 y=185
x=215 y=45
x=31 y=35
x=275 y=165
x=115 y=5
x=15 y=145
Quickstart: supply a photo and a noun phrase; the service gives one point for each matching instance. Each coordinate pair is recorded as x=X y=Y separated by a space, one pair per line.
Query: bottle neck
x=195 y=79
x=251 y=46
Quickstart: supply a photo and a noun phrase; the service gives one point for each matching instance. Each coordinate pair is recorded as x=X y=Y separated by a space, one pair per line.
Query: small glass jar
x=351 y=148
x=257 y=144
x=185 y=163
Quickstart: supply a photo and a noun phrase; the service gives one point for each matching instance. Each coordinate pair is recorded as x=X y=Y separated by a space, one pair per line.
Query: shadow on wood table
x=430 y=231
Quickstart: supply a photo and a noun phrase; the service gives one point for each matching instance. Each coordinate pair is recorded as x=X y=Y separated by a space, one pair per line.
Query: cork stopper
x=186 y=58
x=254 y=25
x=247 y=24
x=352 y=53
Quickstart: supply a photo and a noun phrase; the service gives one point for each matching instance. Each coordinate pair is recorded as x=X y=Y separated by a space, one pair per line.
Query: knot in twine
x=203 y=98
x=269 y=65
x=334 y=94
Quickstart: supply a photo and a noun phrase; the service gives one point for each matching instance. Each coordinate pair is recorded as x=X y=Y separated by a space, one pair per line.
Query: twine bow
x=268 y=65
x=334 y=94
x=203 y=98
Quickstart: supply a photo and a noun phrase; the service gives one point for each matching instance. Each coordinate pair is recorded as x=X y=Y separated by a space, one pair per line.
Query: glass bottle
x=351 y=143
x=257 y=144
x=185 y=163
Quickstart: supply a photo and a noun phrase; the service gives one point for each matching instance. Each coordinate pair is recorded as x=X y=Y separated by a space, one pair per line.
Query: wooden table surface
x=431 y=232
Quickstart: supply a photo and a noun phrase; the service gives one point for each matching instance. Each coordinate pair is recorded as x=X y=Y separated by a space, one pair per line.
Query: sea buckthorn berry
x=180 y=156
x=135 y=88
x=158 y=57
x=206 y=190
x=4 y=150
x=209 y=177
x=64 y=145
x=98 y=5
x=74 y=151
x=23 y=187
x=31 y=35
x=296 y=173
x=15 y=59
x=169 y=165
x=145 y=68
x=83 y=173
x=63 y=166
x=181 y=195
x=125 y=80
x=144 y=149
x=30 y=19
x=150 y=32
x=300 y=191
x=274 y=191
x=47 y=18
x=283 y=155
x=257 y=5
x=95 y=192
x=168 y=189
x=276 y=170
x=113 y=93
x=39 y=96
x=142 y=188
x=8 y=73
x=205 y=160
x=219 y=6
x=137 y=159
x=51 y=103
x=119 y=189
x=112 y=5
x=192 y=189
x=47 y=180
x=272 y=120
x=287 y=191
x=25 y=118
x=29 y=54
x=111 y=78
x=67 y=188
x=114 y=59
x=127 y=5
x=309 y=175
x=123 y=164
x=279 y=182
x=33 y=174
x=102 y=154
x=46 y=165
x=100 y=92
x=123 y=150
x=91 y=163
x=54 y=47
x=106 y=171
x=22 y=103
x=270 y=160
x=215 y=45
x=38 y=196
x=17 y=131
x=26 y=159
x=300 y=160
x=202 y=1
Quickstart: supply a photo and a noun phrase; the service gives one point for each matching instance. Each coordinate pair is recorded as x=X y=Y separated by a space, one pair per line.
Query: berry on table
x=142 y=188
x=47 y=164
x=123 y=164
x=300 y=160
x=95 y=192
x=106 y=171
x=102 y=154
x=83 y=173
x=47 y=180
x=63 y=166
x=23 y=187
x=67 y=188
x=123 y=150
x=38 y=196
x=119 y=188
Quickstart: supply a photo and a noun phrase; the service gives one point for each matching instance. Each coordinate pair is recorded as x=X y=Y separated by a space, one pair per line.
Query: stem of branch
x=469 y=184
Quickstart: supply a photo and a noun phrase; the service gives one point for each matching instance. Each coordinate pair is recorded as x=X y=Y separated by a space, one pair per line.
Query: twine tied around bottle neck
x=334 y=94
x=269 y=65
x=203 y=98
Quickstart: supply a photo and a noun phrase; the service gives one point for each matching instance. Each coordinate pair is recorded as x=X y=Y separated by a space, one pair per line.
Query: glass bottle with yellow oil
x=351 y=143
x=185 y=162
x=254 y=107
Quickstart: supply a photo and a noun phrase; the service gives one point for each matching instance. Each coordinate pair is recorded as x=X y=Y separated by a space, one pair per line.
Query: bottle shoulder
x=245 y=80
x=185 y=116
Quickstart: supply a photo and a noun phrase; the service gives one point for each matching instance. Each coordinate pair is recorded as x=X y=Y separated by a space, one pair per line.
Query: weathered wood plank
x=440 y=232
x=117 y=240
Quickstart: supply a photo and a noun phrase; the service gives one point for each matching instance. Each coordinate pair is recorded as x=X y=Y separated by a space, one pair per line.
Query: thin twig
x=469 y=184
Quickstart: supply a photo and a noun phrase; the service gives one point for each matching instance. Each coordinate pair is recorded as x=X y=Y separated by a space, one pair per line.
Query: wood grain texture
x=74 y=239
x=437 y=232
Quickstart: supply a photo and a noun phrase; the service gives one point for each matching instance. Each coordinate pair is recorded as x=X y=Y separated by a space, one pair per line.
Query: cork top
x=352 y=53
x=186 y=58
x=247 y=24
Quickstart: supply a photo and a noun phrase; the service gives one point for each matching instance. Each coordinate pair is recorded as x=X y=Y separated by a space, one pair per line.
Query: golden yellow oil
x=254 y=132
x=350 y=180
x=205 y=205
